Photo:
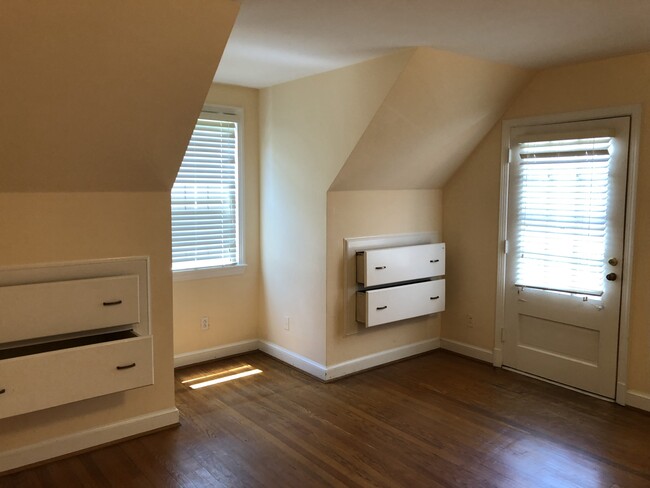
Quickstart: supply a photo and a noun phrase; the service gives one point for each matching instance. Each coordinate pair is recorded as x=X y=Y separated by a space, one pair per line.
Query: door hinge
x=503 y=334
x=505 y=246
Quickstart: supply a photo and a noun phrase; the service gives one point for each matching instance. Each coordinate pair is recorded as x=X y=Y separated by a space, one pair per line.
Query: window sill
x=202 y=274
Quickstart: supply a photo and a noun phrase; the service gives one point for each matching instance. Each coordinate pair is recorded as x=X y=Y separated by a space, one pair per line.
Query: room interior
x=99 y=103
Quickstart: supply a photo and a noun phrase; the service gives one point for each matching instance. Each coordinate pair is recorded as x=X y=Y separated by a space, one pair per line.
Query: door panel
x=566 y=204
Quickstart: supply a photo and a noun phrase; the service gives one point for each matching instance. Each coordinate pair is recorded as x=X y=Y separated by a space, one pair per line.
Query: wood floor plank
x=438 y=420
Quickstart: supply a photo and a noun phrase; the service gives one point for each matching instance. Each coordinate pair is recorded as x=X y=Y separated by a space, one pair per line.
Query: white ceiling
x=275 y=41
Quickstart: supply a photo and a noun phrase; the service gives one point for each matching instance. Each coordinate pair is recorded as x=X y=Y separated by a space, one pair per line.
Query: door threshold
x=562 y=385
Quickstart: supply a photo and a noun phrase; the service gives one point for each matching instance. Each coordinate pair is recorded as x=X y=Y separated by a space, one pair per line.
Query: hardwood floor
x=438 y=420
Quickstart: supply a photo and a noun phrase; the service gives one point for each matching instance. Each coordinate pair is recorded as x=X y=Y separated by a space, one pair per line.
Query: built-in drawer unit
x=42 y=380
x=399 y=283
x=67 y=307
x=73 y=331
x=385 y=305
x=398 y=264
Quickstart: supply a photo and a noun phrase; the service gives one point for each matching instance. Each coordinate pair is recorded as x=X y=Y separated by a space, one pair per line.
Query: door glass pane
x=562 y=214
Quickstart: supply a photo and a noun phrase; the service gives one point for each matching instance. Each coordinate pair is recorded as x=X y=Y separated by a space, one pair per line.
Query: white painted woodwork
x=40 y=381
x=393 y=265
x=385 y=305
x=354 y=245
x=569 y=338
x=65 y=307
x=58 y=336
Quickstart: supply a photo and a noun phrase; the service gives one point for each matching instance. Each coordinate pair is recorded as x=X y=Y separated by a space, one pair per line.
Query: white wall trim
x=296 y=360
x=377 y=359
x=79 y=441
x=638 y=399
x=467 y=350
x=203 y=355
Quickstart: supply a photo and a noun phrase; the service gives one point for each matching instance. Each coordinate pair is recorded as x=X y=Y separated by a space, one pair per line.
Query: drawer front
x=393 y=265
x=400 y=302
x=45 y=380
x=64 y=307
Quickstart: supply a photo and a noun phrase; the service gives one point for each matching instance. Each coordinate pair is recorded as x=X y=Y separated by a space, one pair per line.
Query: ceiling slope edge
x=104 y=97
x=437 y=112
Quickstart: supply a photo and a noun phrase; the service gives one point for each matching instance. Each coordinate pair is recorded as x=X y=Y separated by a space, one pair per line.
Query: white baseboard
x=467 y=350
x=638 y=400
x=377 y=359
x=79 y=441
x=301 y=362
x=218 y=352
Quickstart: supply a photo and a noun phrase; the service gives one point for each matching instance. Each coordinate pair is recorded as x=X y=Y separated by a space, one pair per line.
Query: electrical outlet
x=205 y=323
x=287 y=323
x=470 y=320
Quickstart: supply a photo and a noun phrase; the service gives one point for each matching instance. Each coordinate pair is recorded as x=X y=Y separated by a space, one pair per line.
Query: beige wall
x=102 y=96
x=439 y=109
x=471 y=202
x=371 y=213
x=231 y=302
x=308 y=128
x=94 y=125
x=57 y=227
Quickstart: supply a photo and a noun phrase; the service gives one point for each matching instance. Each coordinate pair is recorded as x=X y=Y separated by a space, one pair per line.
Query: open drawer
x=36 y=381
x=384 y=305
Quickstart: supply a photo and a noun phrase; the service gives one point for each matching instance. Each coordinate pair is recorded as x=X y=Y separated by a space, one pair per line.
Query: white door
x=566 y=218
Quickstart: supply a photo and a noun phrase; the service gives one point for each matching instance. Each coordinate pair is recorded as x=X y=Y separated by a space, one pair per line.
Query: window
x=206 y=223
x=562 y=225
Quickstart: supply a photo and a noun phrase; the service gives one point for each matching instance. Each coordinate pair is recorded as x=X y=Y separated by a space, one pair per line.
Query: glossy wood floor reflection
x=438 y=420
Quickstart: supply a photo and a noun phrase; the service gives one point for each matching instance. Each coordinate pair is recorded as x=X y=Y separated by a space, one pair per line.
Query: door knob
x=612 y=261
x=611 y=276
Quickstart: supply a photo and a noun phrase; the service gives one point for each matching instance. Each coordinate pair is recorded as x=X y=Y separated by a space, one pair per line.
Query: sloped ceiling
x=103 y=96
x=438 y=110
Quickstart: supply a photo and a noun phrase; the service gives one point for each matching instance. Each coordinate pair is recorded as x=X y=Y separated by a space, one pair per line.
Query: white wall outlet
x=287 y=323
x=470 y=320
x=205 y=323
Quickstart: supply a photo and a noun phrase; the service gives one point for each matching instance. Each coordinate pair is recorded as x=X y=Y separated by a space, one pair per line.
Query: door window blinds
x=562 y=214
x=205 y=197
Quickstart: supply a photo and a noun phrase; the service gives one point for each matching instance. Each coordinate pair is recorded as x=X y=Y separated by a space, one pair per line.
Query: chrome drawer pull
x=434 y=260
x=127 y=366
x=434 y=298
x=2 y=391
x=110 y=304
x=382 y=308
x=380 y=267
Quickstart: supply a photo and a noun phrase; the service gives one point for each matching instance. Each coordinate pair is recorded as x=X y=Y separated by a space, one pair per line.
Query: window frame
x=231 y=114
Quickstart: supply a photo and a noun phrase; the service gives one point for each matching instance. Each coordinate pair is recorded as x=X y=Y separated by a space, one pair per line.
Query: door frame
x=632 y=111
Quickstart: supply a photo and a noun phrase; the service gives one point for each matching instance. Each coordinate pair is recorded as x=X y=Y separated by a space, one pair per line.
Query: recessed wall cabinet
x=400 y=283
x=70 y=332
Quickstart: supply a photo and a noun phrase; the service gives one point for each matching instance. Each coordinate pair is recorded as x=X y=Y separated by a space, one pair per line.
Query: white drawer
x=64 y=307
x=53 y=378
x=376 y=307
x=397 y=264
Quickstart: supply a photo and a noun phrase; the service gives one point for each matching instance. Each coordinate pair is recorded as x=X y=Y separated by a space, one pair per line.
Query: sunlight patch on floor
x=221 y=376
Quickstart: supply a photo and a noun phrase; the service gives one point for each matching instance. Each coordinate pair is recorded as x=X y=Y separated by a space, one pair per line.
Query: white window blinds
x=562 y=216
x=205 y=231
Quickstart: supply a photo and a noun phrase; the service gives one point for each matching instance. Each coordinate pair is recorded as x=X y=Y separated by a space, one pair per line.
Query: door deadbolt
x=611 y=276
x=613 y=261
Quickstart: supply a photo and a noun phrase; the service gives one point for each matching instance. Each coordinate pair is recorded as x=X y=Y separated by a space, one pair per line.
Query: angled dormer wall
x=361 y=151
x=98 y=102
x=438 y=110
x=308 y=129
